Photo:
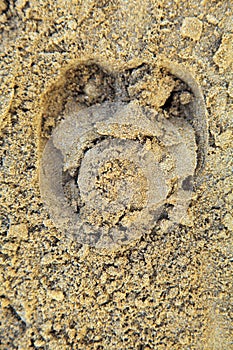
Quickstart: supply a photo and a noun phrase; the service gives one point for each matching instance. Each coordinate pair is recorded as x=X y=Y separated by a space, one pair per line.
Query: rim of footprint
x=111 y=172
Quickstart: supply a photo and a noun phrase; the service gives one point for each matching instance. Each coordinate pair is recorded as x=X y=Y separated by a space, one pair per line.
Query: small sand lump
x=191 y=28
x=3 y=6
x=224 y=56
x=19 y=231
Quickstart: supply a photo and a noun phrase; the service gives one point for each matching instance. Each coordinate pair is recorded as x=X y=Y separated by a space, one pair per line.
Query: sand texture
x=116 y=174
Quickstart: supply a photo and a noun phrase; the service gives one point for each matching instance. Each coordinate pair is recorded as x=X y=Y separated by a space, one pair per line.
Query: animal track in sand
x=113 y=171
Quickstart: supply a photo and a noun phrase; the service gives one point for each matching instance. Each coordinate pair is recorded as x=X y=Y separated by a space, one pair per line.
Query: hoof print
x=113 y=171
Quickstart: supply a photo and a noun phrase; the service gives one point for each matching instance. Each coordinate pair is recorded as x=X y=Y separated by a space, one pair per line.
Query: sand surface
x=168 y=289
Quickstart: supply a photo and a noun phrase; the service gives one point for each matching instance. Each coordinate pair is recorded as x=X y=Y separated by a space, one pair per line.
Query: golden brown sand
x=167 y=290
